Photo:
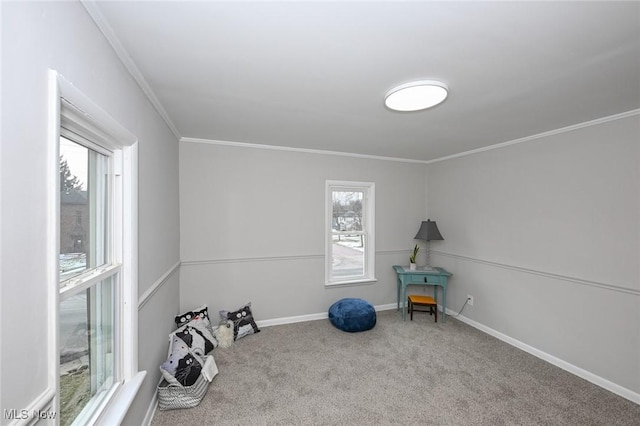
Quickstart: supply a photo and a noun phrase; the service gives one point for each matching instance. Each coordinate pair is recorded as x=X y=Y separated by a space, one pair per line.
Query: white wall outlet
x=470 y=299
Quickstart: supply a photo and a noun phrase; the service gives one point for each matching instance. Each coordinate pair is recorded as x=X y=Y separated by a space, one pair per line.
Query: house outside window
x=350 y=239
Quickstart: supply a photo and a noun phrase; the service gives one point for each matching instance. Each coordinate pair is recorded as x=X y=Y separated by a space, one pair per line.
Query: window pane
x=347 y=249
x=83 y=208
x=347 y=210
x=348 y=256
x=86 y=349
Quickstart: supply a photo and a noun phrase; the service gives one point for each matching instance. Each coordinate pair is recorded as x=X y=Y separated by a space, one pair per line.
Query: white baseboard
x=580 y=372
x=387 y=307
x=312 y=317
x=151 y=411
x=291 y=320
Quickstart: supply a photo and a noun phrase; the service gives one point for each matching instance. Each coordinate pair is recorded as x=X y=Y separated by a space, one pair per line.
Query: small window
x=350 y=242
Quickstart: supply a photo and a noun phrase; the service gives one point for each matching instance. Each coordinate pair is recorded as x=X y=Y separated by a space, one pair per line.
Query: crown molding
x=102 y=24
x=408 y=160
x=540 y=135
x=304 y=150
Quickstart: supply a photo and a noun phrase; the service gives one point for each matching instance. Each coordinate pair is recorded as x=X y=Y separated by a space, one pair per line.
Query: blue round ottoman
x=352 y=315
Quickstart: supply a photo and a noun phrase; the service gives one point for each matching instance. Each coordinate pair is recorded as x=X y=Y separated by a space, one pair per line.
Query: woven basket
x=172 y=396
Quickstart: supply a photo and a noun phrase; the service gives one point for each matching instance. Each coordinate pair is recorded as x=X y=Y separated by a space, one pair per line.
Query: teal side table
x=436 y=277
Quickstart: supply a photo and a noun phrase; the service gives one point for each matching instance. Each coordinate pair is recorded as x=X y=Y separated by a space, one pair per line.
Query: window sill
x=119 y=405
x=351 y=282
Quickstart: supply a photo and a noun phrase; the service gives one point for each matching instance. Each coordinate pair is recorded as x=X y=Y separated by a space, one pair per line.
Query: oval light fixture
x=416 y=95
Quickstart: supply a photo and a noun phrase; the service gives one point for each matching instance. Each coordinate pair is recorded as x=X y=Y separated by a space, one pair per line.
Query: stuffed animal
x=224 y=334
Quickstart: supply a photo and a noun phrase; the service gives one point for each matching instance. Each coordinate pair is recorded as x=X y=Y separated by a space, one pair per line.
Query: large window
x=350 y=242
x=89 y=277
x=96 y=280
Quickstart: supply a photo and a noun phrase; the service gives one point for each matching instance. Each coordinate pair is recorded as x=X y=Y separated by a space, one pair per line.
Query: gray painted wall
x=155 y=322
x=62 y=36
x=252 y=227
x=546 y=236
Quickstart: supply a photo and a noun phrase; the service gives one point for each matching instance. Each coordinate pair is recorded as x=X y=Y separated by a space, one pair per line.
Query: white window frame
x=368 y=211
x=71 y=109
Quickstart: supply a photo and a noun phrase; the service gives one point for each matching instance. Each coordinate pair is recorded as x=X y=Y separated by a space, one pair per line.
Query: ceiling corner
x=102 y=24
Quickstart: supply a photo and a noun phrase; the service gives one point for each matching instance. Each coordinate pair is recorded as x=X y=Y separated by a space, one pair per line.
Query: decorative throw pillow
x=200 y=313
x=197 y=336
x=196 y=331
x=188 y=370
x=242 y=320
x=181 y=366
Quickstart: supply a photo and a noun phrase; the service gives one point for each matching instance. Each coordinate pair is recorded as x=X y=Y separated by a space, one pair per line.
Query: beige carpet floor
x=409 y=373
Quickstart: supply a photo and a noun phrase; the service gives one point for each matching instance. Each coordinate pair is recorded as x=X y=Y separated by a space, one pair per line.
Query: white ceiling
x=313 y=75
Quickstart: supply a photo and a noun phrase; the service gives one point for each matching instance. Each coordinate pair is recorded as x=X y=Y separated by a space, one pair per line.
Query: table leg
x=398 y=285
x=435 y=295
x=404 y=302
x=444 y=304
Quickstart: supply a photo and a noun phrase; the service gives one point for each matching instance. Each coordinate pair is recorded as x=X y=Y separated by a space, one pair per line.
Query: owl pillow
x=242 y=319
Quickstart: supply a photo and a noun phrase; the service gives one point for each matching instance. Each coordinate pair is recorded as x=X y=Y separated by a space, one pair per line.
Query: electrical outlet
x=470 y=299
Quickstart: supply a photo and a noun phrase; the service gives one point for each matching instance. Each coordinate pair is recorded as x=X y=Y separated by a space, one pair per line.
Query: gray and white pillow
x=182 y=366
x=195 y=330
x=242 y=319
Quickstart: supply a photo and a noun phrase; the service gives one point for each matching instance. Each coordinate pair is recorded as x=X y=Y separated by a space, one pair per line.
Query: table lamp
x=428 y=231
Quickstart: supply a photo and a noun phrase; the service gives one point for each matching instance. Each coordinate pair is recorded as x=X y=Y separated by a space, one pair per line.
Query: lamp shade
x=428 y=231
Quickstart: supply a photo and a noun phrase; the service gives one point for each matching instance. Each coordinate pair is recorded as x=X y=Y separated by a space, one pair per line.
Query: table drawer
x=432 y=279
x=422 y=278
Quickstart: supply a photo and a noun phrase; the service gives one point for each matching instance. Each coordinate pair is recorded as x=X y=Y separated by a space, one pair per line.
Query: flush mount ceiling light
x=416 y=95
